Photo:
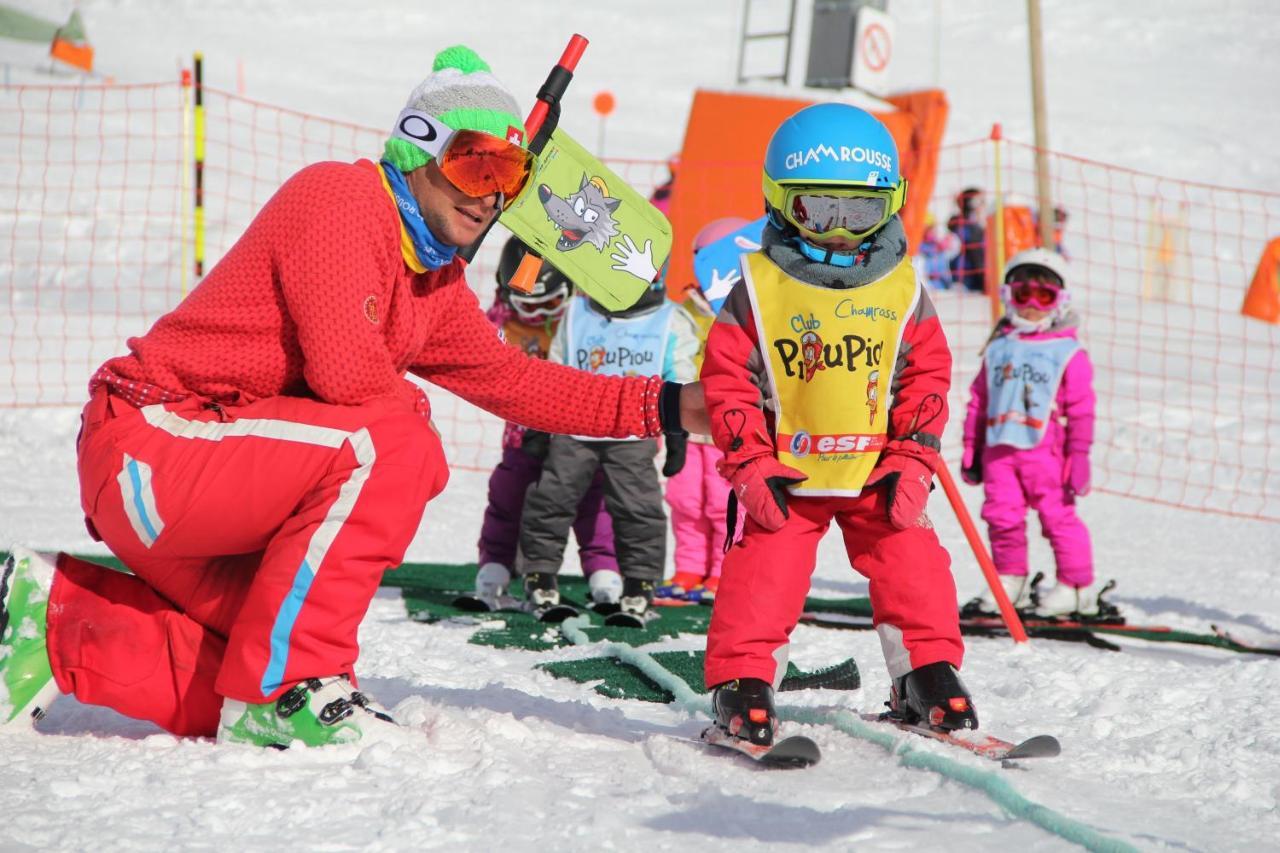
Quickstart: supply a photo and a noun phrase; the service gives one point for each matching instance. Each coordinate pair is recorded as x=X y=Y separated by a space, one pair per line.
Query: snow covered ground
x=1165 y=747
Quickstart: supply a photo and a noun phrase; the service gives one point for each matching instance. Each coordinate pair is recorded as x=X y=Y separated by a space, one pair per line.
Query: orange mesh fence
x=1188 y=388
x=97 y=206
x=96 y=198
x=89 y=201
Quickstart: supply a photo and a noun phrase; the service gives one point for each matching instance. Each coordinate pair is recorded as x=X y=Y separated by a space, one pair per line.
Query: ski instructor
x=258 y=459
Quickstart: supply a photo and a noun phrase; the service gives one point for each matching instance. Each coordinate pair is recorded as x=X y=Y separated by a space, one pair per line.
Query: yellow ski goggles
x=819 y=212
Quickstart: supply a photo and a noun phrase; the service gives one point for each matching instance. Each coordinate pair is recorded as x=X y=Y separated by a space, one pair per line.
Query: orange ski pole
x=1010 y=616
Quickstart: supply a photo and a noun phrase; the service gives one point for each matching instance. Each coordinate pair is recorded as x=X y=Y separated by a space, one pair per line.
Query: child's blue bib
x=1022 y=381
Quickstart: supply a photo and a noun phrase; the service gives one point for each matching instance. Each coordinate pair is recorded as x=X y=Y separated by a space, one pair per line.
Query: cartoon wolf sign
x=588 y=223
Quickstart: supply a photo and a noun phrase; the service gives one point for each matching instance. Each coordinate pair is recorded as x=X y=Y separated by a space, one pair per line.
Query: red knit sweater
x=315 y=300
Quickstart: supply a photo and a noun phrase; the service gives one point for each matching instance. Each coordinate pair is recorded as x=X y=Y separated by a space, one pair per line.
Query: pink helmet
x=718 y=229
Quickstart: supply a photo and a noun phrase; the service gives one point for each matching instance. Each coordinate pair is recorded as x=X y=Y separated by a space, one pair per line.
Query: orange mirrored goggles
x=480 y=164
x=475 y=162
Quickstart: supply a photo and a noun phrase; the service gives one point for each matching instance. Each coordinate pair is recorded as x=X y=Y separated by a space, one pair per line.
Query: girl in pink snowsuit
x=698 y=498
x=1027 y=434
x=697 y=495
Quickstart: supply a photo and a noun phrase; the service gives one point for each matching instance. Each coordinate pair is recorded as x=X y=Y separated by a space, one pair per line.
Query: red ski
x=988 y=746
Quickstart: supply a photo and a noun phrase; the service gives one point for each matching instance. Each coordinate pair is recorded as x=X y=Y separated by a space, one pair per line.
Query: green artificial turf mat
x=619 y=680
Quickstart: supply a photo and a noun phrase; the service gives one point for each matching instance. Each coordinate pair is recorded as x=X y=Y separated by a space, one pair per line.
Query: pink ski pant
x=1016 y=480
x=698 y=497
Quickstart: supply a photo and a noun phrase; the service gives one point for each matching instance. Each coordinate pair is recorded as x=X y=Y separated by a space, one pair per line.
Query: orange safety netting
x=93 y=251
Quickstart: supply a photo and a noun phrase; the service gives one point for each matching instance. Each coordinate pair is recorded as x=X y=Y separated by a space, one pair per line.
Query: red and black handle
x=541 y=123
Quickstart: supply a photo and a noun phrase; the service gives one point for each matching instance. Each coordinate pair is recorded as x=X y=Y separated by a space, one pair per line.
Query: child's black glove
x=536 y=443
x=677 y=449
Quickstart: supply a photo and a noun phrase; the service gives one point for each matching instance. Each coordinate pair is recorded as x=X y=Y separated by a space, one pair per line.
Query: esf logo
x=814 y=355
x=800 y=443
x=840 y=154
x=847 y=443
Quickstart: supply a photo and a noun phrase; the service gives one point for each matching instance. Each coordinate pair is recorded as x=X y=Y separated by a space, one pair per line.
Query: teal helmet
x=832 y=170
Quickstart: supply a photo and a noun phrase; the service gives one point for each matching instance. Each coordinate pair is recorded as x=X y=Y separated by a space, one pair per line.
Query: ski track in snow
x=1166 y=747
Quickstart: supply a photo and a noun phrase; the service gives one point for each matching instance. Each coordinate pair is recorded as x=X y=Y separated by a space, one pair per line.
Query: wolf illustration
x=585 y=216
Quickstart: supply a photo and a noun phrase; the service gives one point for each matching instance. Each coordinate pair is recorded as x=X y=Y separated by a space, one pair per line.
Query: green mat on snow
x=619 y=680
x=429 y=589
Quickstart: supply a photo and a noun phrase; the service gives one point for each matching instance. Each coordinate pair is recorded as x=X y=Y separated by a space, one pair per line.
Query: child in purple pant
x=1027 y=434
x=529 y=321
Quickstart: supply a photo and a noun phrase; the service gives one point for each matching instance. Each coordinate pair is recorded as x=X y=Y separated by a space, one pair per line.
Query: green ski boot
x=26 y=679
x=315 y=712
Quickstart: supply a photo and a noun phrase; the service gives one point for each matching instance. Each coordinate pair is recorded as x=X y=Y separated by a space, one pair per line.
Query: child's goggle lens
x=822 y=214
x=1035 y=292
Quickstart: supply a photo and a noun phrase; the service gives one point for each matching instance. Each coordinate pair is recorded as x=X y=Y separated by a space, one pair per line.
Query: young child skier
x=527 y=322
x=938 y=248
x=826 y=376
x=697 y=495
x=1027 y=434
x=650 y=335
x=968 y=223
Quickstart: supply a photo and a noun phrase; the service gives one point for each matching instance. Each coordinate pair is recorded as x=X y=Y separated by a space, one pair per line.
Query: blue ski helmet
x=832 y=144
x=832 y=170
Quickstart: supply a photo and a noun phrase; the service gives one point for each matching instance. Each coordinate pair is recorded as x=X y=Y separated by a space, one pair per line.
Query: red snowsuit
x=259 y=459
x=766 y=575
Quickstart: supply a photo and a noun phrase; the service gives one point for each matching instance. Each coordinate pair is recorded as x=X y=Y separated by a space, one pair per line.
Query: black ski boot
x=744 y=709
x=542 y=598
x=933 y=695
x=635 y=608
x=541 y=589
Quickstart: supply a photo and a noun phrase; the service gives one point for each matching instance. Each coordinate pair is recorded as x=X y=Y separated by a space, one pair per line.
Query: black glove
x=677 y=449
x=536 y=443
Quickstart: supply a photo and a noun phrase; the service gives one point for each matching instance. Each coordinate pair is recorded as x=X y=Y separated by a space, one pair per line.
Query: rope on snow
x=995 y=786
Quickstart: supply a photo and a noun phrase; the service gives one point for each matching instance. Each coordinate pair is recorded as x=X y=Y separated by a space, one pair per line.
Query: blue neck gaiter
x=432 y=254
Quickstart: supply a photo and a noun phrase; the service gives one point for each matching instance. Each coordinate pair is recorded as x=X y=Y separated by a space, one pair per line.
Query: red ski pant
x=257 y=537
x=766 y=577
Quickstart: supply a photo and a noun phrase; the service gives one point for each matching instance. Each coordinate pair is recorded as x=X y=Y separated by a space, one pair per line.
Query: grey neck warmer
x=887 y=247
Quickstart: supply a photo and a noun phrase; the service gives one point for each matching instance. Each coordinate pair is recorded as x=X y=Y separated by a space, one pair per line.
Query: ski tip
x=793 y=752
x=556 y=614
x=472 y=604
x=789 y=753
x=1040 y=746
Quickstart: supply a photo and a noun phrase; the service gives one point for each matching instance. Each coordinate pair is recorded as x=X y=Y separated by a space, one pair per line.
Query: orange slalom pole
x=1010 y=616
x=993 y=293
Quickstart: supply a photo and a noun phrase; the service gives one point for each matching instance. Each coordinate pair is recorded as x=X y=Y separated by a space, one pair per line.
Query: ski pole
x=541 y=123
x=1010 y=616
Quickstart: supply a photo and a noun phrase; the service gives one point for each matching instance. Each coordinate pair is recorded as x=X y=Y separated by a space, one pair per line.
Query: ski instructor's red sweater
x=315 y=300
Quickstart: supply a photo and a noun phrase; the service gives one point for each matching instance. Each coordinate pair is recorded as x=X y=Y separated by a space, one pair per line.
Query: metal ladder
x=763 y=35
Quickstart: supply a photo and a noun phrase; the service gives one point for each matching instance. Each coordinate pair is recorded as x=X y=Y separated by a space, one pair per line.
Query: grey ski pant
x=632 y=495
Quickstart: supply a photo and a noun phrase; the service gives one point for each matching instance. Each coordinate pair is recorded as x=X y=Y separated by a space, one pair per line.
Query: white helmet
x=1055 y=265
x=1038 y=257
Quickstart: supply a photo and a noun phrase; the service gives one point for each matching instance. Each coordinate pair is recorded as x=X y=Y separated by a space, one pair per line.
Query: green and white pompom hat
x=460 y=93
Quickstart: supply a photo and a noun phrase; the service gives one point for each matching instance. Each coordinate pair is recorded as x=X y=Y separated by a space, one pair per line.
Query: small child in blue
x=649 y=337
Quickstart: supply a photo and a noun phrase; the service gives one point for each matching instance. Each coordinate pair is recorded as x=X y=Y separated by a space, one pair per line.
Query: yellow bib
x=830 y=357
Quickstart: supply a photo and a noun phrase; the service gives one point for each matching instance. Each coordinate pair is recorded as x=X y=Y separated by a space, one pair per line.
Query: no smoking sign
x=873 y=51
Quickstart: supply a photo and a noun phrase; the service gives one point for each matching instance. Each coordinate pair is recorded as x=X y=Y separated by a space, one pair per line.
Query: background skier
x=1027 y=435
